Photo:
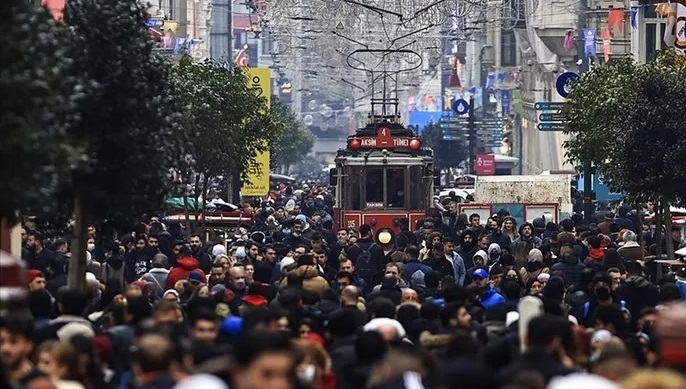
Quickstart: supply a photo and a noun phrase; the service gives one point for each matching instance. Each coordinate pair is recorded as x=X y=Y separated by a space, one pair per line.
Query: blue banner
x=589 y=42
x=505 y=102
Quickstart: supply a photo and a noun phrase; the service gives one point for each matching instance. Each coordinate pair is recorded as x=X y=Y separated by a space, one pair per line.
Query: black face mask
x=602 y=293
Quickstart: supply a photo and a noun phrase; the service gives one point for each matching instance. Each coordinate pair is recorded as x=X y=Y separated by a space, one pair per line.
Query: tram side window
x=415 y=187
x=374 y=186
x=395 y=187
x=353 y=200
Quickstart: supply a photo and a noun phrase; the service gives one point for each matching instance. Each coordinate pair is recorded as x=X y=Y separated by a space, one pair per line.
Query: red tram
x=383 y=178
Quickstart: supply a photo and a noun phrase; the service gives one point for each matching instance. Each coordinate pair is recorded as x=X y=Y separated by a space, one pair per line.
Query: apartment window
x=267 y=44
x=651 y=43
x=508 y=48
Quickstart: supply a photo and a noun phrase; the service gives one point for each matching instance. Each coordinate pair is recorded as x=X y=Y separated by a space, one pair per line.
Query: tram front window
x=374 y=188
x=395 y=188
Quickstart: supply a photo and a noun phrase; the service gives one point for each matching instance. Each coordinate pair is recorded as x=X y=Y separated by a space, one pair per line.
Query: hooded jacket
x=113 y=268
x=157 y=276
x=534 y=267
x=184 y=267
x=467 y=251
x=490 y=297
x=638 y=293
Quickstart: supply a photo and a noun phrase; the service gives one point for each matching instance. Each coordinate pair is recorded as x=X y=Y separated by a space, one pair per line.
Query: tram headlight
x=415 y=144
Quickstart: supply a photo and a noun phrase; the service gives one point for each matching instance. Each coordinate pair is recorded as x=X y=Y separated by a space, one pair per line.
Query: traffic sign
x=552 y=117
x=564 y=83
x=485 y=164
x=548 y=106
x=552 y=126
x=460 y=106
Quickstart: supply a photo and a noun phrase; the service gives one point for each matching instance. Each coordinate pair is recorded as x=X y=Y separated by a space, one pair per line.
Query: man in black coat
x=367 y=256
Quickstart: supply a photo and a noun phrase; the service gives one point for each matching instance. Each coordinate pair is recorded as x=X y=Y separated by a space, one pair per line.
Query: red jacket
x=184 y=267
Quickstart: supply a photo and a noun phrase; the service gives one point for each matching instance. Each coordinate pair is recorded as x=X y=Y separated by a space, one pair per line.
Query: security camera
x=519 y=68
x=529 y=62
x=556 y=69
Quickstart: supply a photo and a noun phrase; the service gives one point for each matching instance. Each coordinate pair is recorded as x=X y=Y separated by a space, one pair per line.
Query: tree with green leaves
x=294 y=141
x=38 y=95
x=626 y=118
x=225 y=123
x=125 y=122
x=448 y=153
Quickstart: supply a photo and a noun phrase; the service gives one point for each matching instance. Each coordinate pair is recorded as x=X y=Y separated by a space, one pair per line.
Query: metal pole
x=588 y=192
x=583 y=68
x=472 y=136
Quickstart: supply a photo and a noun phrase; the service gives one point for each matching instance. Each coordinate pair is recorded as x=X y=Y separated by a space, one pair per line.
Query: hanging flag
x=56 y=8
x=607 y=39
x=589 y=42
x=569 y=40
x=506 y=102
x=662 y=9
x=675 y=36
x=633 y=18
x=241 y=60
x=615 y=18
x=517 y=106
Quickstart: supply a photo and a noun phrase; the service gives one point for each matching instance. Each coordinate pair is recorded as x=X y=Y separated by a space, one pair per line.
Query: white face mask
x=307 y=373
x=90 y=246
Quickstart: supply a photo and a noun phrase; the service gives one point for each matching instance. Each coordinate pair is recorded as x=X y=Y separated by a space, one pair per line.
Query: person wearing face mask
x=638 y=292
x=494 y=252
x=601 y=296
x=238 y=281
x=296 y=238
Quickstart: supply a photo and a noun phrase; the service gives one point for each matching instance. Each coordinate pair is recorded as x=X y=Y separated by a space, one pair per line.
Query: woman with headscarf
x=533 y=267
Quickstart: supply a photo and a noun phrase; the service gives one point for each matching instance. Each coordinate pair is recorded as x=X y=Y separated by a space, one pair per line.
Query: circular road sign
x=563 y=85
x=460 y=106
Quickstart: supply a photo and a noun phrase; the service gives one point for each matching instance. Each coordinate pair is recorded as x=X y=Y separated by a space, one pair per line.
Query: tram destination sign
x=373 y=143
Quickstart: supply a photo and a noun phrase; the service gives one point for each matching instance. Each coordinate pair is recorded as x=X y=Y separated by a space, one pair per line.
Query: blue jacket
x=458 y=267
x=491 y=298
x=413 y=266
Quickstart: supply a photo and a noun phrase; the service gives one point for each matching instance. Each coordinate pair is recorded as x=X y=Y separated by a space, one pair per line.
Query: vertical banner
x=259 y=79
x=589 y=42
x=506 y=102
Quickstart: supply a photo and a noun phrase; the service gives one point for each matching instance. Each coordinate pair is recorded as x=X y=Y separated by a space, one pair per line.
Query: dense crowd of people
x=294 y=303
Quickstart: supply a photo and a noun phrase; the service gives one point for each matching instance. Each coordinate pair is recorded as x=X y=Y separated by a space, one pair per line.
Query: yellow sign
x=259 y=79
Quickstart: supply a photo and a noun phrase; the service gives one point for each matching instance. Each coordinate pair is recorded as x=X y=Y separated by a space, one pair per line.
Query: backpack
x=365 y=265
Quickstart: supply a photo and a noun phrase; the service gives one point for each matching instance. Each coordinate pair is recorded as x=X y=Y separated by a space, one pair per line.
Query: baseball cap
x=195 y=276
x=480 y=273
x=232 y=326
